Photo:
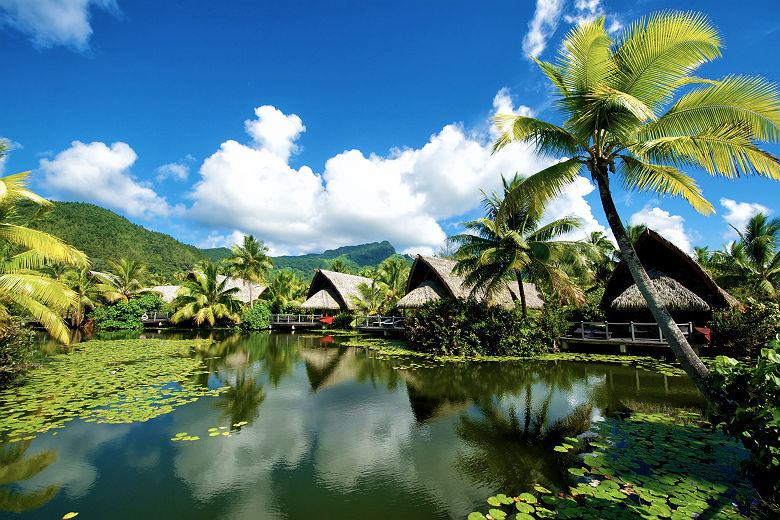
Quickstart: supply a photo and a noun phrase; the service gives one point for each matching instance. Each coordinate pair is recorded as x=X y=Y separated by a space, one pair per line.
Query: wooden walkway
x=293 y=321
x=619 y=333
x=156 y=318
x=385 y=324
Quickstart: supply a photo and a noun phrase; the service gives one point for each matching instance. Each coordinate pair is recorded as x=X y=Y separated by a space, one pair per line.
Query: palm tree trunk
x=522 y=294
x=251 y=303
x=688 y=359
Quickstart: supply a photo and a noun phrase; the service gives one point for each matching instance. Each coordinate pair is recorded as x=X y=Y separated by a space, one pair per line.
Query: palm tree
x=283 y=289
x=88 y=290
x=754 y=260
x=602 y=258
x=392 y=274
x=634 y=232
x=340 y=265
x=23 y=250
x=250 y=262
x=494 y=251
x=702 y=255
x=202 y=298
x=125 y=277
x=623 y=119
x=372 y=298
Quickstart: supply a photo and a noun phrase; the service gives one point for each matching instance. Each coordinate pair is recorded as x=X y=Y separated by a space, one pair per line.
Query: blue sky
x=313 y=124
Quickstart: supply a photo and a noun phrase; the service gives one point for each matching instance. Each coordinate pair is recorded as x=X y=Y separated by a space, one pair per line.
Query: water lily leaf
x=497 y=514
x=70 y=515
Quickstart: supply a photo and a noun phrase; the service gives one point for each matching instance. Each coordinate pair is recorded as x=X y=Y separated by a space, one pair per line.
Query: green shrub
x=457 y=327
x=342 y=320
x=255 y=318
x=744 y=331
x=126 y=315
x=17 y=353
x=590 y=311
x=751 y=412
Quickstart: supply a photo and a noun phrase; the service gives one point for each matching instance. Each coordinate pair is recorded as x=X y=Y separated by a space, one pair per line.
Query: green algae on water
x=104 y=382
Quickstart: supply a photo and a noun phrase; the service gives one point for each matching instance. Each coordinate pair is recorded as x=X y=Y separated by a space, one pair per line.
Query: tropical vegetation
x=203 y=299
x=494 y=250
x=635 y=113
x=249 y=262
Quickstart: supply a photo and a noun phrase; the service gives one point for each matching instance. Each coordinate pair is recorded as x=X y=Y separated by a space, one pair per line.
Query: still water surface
x=335 y=432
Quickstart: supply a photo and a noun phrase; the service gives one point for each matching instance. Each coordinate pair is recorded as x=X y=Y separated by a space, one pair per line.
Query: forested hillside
x=105 y=236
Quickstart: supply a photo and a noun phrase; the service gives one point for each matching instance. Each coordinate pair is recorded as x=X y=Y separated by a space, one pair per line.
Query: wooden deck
x=156 y=318
x=619 y=333
x=385 y=324
x=296 y=321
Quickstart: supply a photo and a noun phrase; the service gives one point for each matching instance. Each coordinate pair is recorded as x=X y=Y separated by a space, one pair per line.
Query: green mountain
x=105 y=236
x=364 y=255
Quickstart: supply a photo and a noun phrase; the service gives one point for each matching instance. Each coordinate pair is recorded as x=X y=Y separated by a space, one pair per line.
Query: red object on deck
x=327 y=320
x=704 y=331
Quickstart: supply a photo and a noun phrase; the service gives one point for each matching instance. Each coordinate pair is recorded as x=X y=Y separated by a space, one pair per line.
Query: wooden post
x=606 y=331
x=582 y=329
x=633 y=331
x=660 y=333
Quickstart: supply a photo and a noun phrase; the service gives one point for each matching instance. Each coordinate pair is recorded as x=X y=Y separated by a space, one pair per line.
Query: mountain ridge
x=107 y=236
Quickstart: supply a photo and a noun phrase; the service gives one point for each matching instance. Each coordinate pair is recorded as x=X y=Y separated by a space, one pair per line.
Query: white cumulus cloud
x=401 y=196
x=101 y=174
x=54 y=22
x=542 y=26
x=667 y=225
x=178 y=170
x=739 y=213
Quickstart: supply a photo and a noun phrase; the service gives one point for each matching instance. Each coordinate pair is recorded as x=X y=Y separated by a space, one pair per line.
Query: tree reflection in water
x=15 y=467
x=506 y=456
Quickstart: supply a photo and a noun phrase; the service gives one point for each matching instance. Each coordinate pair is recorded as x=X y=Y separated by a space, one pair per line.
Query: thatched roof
x=323 y=299
x=341 y=286
x=659 y=255
x=166 y=292
x=441 y=270
x=533 y=298
x=671 y=293
x=427 y=291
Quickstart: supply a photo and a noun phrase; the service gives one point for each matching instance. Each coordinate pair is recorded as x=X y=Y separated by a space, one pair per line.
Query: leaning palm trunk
x=688 y=359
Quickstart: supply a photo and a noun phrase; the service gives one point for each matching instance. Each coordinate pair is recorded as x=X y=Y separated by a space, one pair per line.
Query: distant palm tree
x=393 y=273
x=634 y=232
x=635 y=114
x=22 y=250
x=125 y=277
x=492 y=252
x=754 y=260
x=372 y=298
x=339 y=265
x=203 y=299
x=283 y=289
x=249 y=262
x=89 y=290
x=603 y=257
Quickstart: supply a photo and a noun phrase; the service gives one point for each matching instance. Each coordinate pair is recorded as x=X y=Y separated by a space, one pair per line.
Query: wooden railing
x=621 y=331
x=381 y=322
x=294 y=319
x=155 y=316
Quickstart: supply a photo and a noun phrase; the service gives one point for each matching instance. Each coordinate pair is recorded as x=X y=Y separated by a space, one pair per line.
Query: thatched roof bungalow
x=684 y=288
x=331 y=291
x=433 y=278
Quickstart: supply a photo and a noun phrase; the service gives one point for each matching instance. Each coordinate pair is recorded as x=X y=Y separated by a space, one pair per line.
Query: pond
x=308 y=427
